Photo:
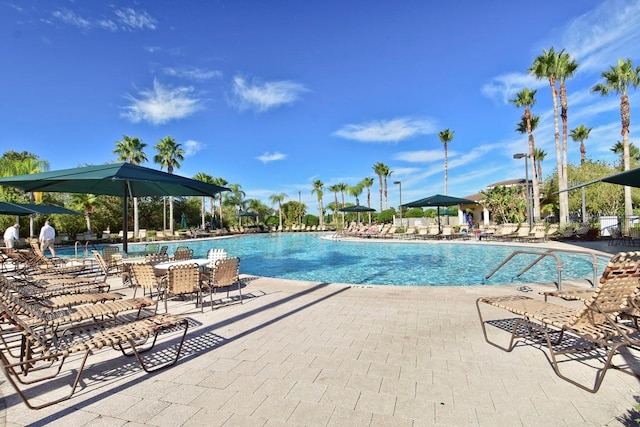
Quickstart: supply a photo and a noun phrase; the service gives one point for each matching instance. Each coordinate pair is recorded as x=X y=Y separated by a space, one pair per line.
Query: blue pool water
x=305 y=256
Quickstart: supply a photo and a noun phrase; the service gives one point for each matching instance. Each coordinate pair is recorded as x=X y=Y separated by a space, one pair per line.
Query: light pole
x=526 y=181
x=399 y=184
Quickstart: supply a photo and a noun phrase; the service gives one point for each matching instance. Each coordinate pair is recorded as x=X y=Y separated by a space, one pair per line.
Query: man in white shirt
x=47 y=237
x=11 y=235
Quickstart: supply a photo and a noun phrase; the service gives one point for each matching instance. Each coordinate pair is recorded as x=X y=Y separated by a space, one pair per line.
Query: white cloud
x=162 y=104
x=192 y=73
x=135 y=20
x=265 y=96
x=393 y=130
x=271 y=157
x=422 y=156
x=127 y=19
x=68 y=17
x=192 y=147
x=505 y=86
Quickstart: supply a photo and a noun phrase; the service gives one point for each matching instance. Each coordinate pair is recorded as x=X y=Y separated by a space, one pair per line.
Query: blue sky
x=273 y=95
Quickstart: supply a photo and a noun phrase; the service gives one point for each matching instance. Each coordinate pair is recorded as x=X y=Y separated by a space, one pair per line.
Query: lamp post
x=526 y=179
x=399 y=184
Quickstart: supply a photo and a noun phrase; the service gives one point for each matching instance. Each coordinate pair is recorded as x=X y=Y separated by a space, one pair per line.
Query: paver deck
x=324 y=354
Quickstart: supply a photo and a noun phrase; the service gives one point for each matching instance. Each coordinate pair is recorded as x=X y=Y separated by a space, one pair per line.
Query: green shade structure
x=438 y=201
x=357 y=208
x=113 y=179
x=8 y=208
x=183 y=221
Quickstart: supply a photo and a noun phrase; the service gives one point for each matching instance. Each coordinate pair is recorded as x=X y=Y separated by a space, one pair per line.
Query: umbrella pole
x=125 y=231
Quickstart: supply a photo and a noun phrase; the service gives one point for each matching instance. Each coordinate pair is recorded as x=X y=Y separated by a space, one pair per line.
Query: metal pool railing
x=548 y=253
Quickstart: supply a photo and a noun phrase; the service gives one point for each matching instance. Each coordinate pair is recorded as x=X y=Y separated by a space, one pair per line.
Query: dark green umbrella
x=114 y=179
x=48 y=209
x=183 y=221
x=438 y=201
x=13 y=209
x=358 y=209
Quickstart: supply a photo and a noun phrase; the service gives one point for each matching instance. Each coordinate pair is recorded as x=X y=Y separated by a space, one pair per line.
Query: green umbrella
x=438 y=201
x=114 y=179
x=183 y=221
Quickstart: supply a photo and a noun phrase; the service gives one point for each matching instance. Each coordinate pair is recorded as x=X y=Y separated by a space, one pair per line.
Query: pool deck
x=326 y=354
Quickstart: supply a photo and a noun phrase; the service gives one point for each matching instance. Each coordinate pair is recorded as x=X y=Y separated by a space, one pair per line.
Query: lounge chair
x=590 y=332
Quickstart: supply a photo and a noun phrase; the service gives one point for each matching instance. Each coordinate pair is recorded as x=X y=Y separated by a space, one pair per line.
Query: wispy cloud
x=262 y=97
x=162 y=104
x=595 y=40
x=192 y=147
x=68 y=17
x=393 y=130
x=193 y=73
x=271 y=157
x=421 y=156
x=126 y=19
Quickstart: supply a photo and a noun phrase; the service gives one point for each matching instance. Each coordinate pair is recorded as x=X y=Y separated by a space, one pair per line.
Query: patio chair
x=183 y=253
x=143 y=276
x=593 y=331
x=214 y=255
x=224 y=274
x=182 y=280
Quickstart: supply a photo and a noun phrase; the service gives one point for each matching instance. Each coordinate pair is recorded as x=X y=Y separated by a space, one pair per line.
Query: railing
x=548 y=253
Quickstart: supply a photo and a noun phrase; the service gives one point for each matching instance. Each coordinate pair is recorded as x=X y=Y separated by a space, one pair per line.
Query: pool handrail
x=542 y=255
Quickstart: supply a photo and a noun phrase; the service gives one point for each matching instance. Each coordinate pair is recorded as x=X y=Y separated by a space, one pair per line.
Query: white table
x=202 y=263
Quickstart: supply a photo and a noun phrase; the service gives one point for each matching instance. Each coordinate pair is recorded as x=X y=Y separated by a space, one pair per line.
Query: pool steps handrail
x=542 y=255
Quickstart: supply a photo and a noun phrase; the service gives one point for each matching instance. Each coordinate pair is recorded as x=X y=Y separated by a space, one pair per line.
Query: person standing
x=47 y=238
x=11 y=235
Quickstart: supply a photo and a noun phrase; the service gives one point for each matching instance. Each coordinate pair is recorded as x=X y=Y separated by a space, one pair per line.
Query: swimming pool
x=305 y=256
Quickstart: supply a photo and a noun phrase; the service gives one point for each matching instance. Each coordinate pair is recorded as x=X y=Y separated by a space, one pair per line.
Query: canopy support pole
x=125 y=219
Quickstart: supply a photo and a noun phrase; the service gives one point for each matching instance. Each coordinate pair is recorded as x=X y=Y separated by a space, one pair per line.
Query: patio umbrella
x=183 y=221
x=438 y=201
x=13 y=209
x=114 y=179
x=242 y=214
x=357 y=209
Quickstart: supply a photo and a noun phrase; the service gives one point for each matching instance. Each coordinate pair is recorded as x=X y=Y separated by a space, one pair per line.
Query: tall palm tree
x=387 y=173
x=539 y=157
x=131 y=150
x=526 y=99
x=277 y=199
x=380 y=169
x=368 y=183
x=579 y=134
x=169 y=156
x=618 y=79
x=342 y=187
x=567 y=67
x=317 y=188
x=556 y=67
x=445 y=137
x=222 y=183
x=29 y=165
x=335 y=189
x=204 y=177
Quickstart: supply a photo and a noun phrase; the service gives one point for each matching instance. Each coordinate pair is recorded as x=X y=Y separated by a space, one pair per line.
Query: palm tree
x=277 y=199
x=387 y=173
x=556 y=67
x=526 y=99
x=29 y=165
x=368 y=183
x=634 y=152
x=566 y=69
x=87 y=203
x=342 y=187
x=131 y=150
x=445 y=137
x=169 y=156
x=539 y=155
x=335 y=189
x=204 y=177
x=380 y=169
x=222 y=183
x=317 y=188
x=579 y=134
x=618 y=79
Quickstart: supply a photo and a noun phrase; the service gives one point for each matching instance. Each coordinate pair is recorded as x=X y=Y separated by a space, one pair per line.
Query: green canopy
x=13 y=209
x=357 y=208
x=113 y=179
x=438 y=200
x=8 y=208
